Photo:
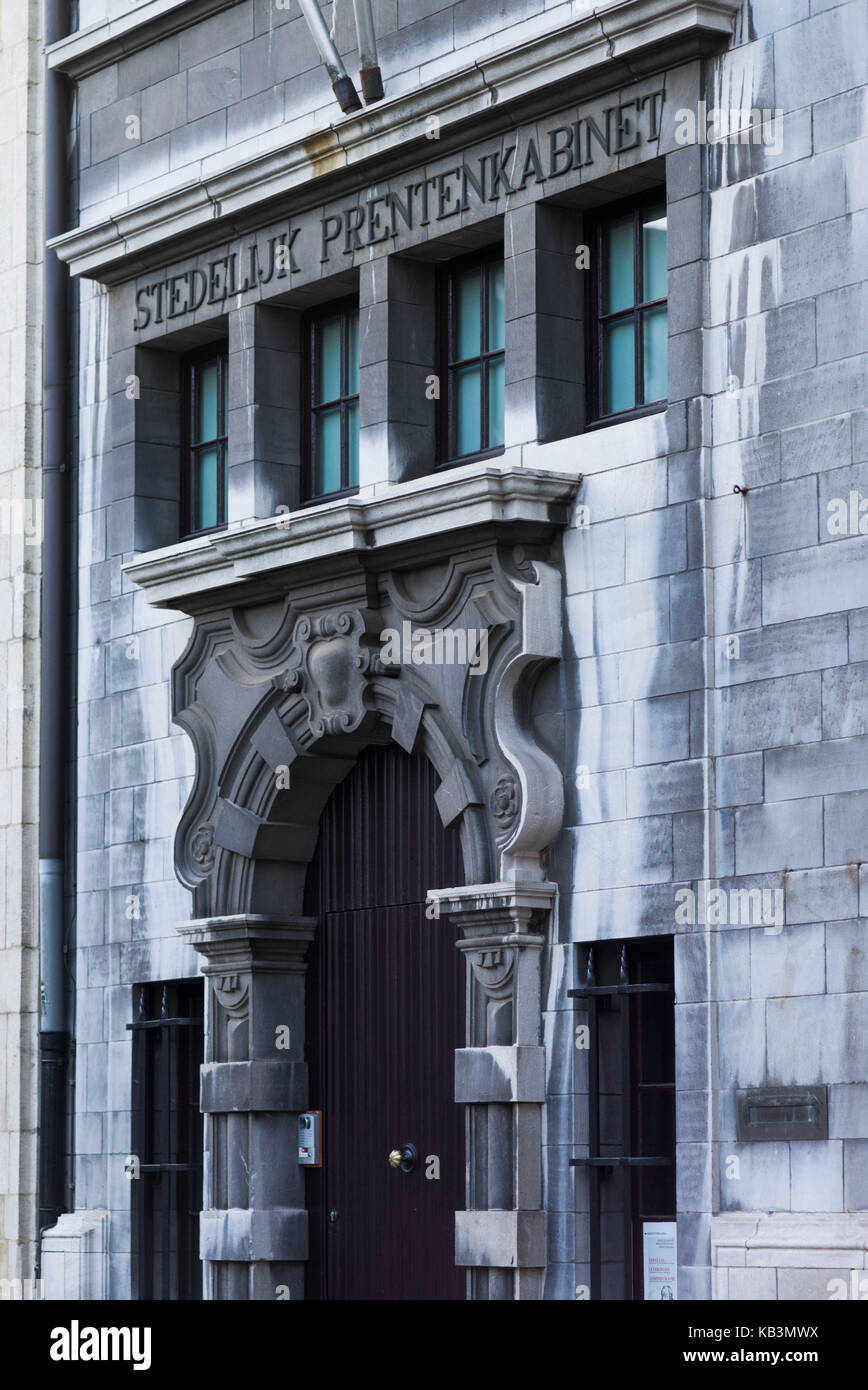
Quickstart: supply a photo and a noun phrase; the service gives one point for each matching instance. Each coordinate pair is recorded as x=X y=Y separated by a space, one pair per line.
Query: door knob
x=405 y=1158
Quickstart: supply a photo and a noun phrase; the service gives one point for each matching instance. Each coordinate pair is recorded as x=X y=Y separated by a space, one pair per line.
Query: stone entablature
x=603 y=51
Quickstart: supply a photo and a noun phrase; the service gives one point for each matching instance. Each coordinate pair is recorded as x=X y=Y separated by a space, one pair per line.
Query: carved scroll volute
x=195 y=848
x=529 y=806
x=334 y=656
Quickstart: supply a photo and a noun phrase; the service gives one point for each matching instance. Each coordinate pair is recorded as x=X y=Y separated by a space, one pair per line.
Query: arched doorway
x=385 y=1013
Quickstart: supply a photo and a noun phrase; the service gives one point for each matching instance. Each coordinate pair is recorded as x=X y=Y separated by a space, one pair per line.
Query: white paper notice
x=660 y=1260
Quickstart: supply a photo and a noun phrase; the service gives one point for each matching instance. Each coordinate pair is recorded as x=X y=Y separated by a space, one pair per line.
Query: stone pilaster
x=397 y=362
x=500 y=1076
x=264 y=416
x=545 y=350
x=253 y=1237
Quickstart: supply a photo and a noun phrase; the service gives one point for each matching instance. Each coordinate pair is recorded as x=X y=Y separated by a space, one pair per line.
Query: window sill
x=324 y=498
x=206 y=531
x=466 y=459
x=624 y=416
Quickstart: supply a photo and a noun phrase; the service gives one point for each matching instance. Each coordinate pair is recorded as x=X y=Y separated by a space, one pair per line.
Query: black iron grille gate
x=631 y=1105
x=166 y=1172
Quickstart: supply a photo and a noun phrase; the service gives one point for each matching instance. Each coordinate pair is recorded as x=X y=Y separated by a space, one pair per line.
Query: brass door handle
x=405 y=1158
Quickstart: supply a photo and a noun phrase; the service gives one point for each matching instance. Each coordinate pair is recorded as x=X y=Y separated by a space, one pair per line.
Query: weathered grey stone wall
x=710 y=713
x=717 y=696
x=20 y=566
x=134 y=773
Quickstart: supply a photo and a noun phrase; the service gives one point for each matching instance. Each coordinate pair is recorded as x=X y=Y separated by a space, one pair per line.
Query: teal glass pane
x=618 y=292
x=655 y=342
x=207 y=423
x=654 y=258
x=206 y=490
x=496 y=311
x=353 y=354
x=327 y=459
x=468 y=313
x=619 y=371
x=468 y=411
x=496 y=377
x=327 y=386
x=353 y=444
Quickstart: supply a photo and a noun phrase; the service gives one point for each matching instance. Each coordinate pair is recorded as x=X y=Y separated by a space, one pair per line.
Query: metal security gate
x=385 y=1015
x=628 y=999
x=166 y=1162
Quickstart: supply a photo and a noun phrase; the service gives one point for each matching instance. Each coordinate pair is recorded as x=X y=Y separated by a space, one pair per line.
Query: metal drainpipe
x=372 y=78
x=342 y=83
x=53 y=1026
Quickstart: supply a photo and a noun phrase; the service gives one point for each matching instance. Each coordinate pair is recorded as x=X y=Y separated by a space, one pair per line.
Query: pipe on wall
x=54 y=1023
x=369 y=62
x=348 y=97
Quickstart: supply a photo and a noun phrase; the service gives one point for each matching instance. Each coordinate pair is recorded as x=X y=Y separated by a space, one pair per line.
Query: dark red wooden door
x=385 y=1015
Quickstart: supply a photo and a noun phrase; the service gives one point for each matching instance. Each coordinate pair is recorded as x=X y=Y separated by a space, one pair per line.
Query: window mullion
x=193 y=459
x=344 y=451
x=639 y=385
x=599 y=298
x=218 y=424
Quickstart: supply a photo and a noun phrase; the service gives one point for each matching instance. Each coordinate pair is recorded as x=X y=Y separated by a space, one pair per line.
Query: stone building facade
x=656 y=773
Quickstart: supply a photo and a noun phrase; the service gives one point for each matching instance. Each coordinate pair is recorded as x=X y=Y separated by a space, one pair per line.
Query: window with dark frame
x=628 y=319
x=332 y=400
x=205 y=474
x=472 y=357
x=168 y=1049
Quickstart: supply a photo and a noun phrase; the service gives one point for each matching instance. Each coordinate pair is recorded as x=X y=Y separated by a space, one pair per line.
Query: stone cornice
x=608 y=47
x=210 y=571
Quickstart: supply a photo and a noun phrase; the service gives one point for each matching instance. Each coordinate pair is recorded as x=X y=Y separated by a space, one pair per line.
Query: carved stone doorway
x=282 y=688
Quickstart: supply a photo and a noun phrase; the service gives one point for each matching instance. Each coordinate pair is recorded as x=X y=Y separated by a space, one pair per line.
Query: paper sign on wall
x=660 y=1260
